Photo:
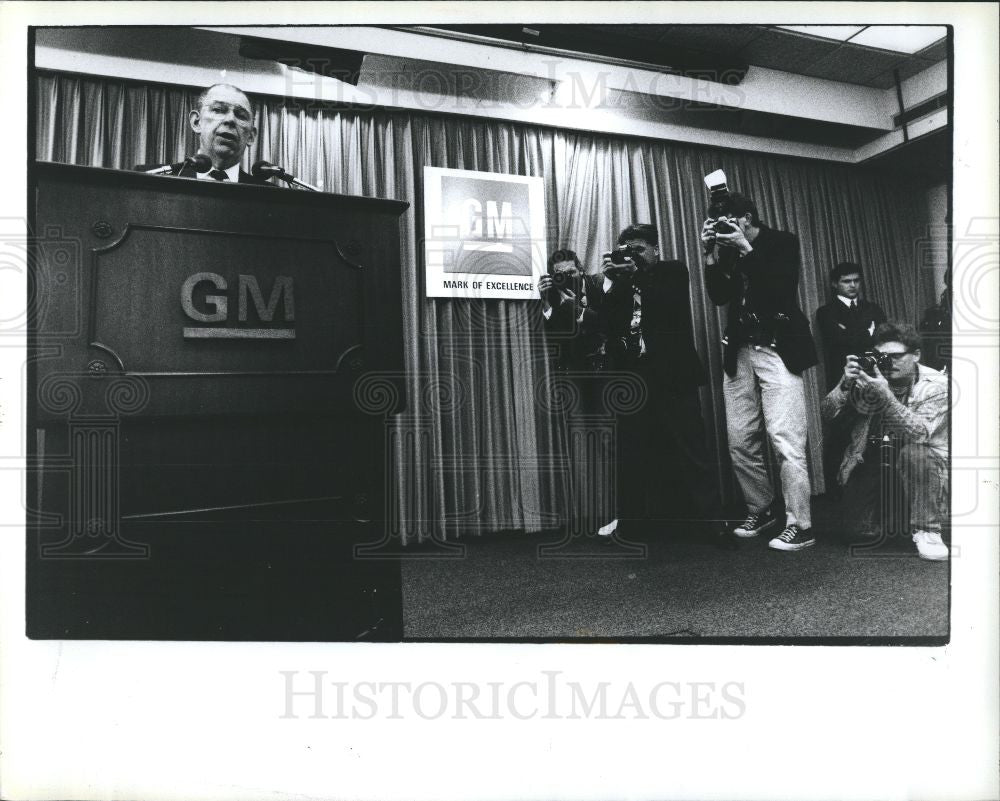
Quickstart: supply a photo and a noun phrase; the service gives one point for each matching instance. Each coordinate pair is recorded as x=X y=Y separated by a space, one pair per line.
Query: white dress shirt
x=232 y=173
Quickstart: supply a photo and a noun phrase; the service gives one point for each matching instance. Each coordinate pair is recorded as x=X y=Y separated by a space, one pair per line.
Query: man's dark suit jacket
x=671 y=358
x=772 y=269
x=843 y=332
x=576 y=342
x=189 y=172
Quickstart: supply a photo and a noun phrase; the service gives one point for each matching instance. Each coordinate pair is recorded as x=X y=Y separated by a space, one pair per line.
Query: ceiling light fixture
x=907 y=39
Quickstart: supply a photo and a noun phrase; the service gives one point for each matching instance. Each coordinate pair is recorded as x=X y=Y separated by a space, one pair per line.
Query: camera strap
x=635 y=327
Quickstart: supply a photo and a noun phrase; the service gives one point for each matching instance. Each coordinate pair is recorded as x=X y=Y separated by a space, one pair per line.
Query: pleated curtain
x=490 y=453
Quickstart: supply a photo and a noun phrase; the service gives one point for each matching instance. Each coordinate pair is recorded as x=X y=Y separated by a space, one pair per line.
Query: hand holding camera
x=728 y=234
x=721 y=229
x=618 y=264
x=547 y=291
x=555 y=289
x=875 y=363
x=708 y=236
x=866 y=371
x=851 y=371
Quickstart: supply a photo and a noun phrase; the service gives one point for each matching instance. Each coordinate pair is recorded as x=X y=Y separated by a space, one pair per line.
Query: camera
x=718 y=194
x=871 y=359
x=569 y=279
x=621 y=254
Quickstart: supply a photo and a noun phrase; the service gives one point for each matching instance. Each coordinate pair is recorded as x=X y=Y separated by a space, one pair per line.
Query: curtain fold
x=481 y=452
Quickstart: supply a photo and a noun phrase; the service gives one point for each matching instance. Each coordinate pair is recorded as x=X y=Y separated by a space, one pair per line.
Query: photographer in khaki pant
x=755 y=269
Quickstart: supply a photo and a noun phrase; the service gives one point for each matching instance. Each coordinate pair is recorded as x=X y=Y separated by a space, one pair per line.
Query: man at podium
x=223 y=121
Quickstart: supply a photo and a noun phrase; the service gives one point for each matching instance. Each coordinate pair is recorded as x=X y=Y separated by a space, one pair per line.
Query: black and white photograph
x=424 y=365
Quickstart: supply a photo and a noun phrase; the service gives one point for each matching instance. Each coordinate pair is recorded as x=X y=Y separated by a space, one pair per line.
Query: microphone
x=265 y=169
x=199 y=161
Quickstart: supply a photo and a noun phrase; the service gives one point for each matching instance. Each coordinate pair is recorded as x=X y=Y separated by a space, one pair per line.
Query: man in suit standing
x=223 y=122
x=847 y=323
x=644 y=306
x=755 y=269
x=847 y=328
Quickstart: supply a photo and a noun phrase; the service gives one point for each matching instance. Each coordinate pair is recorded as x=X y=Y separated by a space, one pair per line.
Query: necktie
x=218 y=175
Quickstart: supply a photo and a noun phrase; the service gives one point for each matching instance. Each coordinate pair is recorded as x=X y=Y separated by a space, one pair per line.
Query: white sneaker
x=930 y=546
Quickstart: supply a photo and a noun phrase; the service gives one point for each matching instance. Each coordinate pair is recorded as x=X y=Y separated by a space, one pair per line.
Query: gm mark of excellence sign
x=484 y=234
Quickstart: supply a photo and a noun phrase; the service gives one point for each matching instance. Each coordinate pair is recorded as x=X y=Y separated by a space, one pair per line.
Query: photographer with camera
x=644 y=308
x=891 y=400
x=575 y=340
x=755 y=269
x=570 y=324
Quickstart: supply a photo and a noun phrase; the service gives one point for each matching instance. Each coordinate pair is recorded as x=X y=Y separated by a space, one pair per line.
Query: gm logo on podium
x=484 y=234
x=215 y=307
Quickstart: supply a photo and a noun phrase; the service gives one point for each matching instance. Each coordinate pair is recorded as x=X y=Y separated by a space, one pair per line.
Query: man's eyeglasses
x=222 y=109
x=895 y=356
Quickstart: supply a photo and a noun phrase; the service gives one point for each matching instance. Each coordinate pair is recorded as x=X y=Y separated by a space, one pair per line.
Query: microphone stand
x=284 y=176
x=180 y=166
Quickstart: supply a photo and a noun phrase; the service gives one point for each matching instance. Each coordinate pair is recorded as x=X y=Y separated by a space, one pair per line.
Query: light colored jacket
x=923 y=419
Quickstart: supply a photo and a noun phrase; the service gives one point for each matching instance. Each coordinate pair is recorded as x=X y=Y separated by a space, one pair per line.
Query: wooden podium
x=212 y=367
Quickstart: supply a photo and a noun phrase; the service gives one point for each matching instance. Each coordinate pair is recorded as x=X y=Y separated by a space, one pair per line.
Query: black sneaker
x=791 y=539
x=756 y=523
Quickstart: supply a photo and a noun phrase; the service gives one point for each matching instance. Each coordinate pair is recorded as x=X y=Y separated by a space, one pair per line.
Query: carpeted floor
x=525 y=588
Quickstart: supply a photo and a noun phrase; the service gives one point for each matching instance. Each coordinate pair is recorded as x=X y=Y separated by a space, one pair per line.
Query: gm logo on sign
x=484 y=234
x=205 y=298
x=491 y=217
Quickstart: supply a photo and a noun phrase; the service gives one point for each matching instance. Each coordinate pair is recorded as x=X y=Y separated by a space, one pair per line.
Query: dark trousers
x=836 y=438
x=590 y=435
x=664 y=470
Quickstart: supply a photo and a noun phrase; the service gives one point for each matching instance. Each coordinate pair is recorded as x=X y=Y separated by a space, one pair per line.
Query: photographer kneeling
x=888 y=392
x=644 y=308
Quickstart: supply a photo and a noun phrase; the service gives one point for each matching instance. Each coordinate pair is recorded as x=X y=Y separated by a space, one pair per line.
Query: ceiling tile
x=910 y=67
x=650 y=32
x=725 y=38
x=768 y=46
x=852 y=64
x=936 y=52
x=786 y=51
x=884 y=80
